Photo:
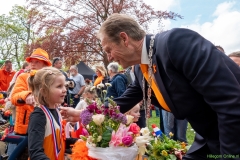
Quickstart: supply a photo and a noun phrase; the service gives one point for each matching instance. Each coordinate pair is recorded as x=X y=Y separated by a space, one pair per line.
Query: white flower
x=108 y=84
x=90 y=139
x=93 y=145
x=141 y=150
x=129 y=119
x=155 y=140
x=92 y=88
x=99 y=138
x=99 y=86
x=145 y=131
x=98 y=119
x=142 y=140
x=104 y=91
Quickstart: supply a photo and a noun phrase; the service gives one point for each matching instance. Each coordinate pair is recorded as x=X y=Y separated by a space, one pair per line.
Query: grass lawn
x=190 y=131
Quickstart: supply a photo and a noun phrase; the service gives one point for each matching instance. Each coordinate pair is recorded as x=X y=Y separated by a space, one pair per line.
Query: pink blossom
x=117 y=136
x=127 y=141
x=92 y=107
x=178 y=154
x=115 y=139
x=85 y=132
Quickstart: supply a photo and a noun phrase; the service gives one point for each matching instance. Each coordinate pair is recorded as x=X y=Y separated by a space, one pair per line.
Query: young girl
x=45 y=132
x=88 y=95
x=135 y=112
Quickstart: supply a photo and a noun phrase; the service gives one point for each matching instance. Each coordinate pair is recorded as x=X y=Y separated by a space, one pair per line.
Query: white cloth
x=144 y=56
x=81 y=105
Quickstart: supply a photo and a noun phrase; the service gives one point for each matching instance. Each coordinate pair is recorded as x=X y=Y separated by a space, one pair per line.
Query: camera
x=70 y=84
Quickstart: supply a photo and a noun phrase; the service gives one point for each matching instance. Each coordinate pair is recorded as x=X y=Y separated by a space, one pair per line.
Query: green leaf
x=83 y=138
x=107 y=135
x=172 y=157
x=105 y=144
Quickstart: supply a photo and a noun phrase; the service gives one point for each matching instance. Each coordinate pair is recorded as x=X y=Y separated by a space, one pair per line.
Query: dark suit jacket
x=199 y=83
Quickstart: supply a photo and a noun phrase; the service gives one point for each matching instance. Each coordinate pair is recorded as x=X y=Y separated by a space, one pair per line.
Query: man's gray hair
x=74 y=67
x=113 y=67
x=234 y=54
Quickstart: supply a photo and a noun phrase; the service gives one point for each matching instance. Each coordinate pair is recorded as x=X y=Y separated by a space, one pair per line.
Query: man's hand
x=76 y=96
x=70 y=114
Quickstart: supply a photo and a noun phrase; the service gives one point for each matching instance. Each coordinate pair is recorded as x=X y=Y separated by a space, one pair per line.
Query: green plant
x=190 y=131
x=165 y=148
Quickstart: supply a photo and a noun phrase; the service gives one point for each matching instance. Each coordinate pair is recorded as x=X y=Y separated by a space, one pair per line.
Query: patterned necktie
x=144 y=68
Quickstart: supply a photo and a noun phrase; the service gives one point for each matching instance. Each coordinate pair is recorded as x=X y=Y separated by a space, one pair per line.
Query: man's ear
x=124 y=38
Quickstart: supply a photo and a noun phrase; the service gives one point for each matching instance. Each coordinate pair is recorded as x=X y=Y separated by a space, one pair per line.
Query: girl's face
x=89 y=96
x=57 y=91
x=135 y=112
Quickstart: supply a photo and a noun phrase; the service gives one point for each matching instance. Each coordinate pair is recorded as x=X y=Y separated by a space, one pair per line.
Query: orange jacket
x=23 y=111
x=5 y=79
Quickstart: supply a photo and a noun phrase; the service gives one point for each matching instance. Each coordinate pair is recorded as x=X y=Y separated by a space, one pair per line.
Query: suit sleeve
x=214 y=76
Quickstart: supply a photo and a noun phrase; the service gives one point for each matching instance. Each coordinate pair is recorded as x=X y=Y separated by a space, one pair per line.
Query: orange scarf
x=98 y=80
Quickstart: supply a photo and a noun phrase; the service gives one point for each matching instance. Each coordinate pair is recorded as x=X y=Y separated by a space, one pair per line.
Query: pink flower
x=127 y=141
x=134 y=128
x=92 y=107
x=85 y=132
x=178 y=154
x=117 y=136
x=116 y=139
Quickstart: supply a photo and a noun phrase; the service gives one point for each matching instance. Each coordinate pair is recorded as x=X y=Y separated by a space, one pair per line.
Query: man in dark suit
x=197 y=81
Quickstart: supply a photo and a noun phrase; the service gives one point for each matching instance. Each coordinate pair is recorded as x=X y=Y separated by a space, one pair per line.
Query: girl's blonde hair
x=40 y=81
x=89 y=89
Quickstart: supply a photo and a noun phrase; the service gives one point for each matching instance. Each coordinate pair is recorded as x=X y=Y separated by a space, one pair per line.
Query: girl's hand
x=70 y=114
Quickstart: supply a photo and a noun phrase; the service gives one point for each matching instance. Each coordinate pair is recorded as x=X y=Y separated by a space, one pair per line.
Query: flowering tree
x=67 y=28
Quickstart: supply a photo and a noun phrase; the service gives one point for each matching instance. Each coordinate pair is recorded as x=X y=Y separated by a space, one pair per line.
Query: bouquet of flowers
x=165 y=148
x=111 y=134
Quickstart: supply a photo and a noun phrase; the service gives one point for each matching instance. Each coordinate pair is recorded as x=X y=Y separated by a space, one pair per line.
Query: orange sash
x=158 y=94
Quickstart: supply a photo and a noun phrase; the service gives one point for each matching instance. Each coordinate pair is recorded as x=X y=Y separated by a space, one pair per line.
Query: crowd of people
x=192 y=81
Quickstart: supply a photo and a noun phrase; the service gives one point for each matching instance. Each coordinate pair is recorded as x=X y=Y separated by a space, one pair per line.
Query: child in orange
x=46 y=139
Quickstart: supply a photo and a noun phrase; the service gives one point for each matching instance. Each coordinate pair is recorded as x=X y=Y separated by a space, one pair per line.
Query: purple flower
x=118 y=108
x=119 y=117
x=111 y=112
x=86 y=117
x=98 y=111
x=127 y=141
x=124 y=119
x=105 y=111
x=92 y=107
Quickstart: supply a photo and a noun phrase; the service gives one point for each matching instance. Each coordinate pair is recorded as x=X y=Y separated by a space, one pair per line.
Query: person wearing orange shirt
x=21 y=96
x=6 y=75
